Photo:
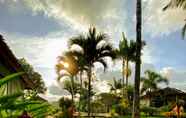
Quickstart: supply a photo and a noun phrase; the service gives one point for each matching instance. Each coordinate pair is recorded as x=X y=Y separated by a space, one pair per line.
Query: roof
x=165 y=92
x=8 y=60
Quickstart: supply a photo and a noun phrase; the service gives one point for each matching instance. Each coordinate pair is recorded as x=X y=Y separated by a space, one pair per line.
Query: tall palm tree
x=150 y=82
x=126 y=52
x=177 y=4
x=95 y=48
x=136 y=100
x=68 y=64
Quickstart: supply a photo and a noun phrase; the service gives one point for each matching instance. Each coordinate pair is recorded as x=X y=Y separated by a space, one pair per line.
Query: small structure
x=165 y=96
x=9 y=65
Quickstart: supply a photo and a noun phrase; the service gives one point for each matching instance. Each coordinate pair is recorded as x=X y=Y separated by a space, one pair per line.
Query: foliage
x=122 y=107
x=68 y=63
x=13 y=105
x=177 y=4
x=10 y=78
x=130 y=93
x=151 y=81
x=72 y=89
x=83 y=102
x=97 y=107
x=65 y=104
x=149 y=111
x=117 y=84
x=126 y=52
x=39 y=85
x=166 y=108
x=94 y=48
x=108 y=100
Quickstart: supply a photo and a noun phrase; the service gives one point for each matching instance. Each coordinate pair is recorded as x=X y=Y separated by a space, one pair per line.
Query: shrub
x=151 y=111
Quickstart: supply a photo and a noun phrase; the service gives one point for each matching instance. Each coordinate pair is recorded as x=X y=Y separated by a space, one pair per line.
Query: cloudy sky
x=38 y=30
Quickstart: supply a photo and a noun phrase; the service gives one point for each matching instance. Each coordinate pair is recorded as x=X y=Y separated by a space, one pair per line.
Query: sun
x=66 y=65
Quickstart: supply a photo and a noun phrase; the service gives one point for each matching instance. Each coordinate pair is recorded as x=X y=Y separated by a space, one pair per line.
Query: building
x=9 y=65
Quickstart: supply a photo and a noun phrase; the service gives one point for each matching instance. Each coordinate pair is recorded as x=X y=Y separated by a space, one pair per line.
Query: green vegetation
x=75 y=68
x=13 y=105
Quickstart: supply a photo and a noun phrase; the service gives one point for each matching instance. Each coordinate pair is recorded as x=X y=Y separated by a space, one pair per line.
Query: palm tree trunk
x=127 y=73
x=72 y=98
x=81 y=81
x=123 y=75
x=136 y=102
x=81 y=87
x=89 y=89
x=72 y=92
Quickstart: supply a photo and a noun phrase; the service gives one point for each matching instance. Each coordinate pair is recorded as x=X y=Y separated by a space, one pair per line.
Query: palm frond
x=183 y=31
x=175 y=4
x=10 y=78
x=103 y=62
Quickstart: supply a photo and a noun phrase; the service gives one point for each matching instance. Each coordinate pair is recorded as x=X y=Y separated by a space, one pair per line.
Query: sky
x=38 y=30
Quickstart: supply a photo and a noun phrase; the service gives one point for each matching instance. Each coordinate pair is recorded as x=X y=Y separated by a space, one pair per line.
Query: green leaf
x=10 y=77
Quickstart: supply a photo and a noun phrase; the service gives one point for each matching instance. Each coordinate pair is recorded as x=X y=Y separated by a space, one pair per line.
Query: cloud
x=176 y=77
x=81 y=12
x=156 y=21
x=101 y=86
x=41 y=52
x=116 y=72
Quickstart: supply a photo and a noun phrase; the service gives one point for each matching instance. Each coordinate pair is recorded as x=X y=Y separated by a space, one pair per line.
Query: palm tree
x=95 y=48
x=126 y=52
x=67 y=66
x=177 y=4
x=150 y=82
x=73 y=90
x=136 y=100
x=116 y=85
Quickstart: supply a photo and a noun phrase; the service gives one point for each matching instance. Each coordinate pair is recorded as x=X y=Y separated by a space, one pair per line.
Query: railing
x=92 y=115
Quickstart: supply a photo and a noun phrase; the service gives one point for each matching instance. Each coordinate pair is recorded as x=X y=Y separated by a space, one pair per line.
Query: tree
x=126 y=52
x=117 y=84
x=177 y=4
x=136 y=100
x=65 y=104
x=150 y=82
x=39 y=85
x=73 y=89
x=95 y=48
x=11 y=106
x=67 y=66
x=108 y=99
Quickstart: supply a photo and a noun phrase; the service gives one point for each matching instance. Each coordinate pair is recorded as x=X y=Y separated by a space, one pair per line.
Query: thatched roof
x=166 y=92
x=8 y=60
x=171 y=91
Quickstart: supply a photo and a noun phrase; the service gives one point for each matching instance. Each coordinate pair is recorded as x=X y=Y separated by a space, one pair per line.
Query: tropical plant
x=95 y=48
x=67 y=66
x=136 y=100
x=39 y=85
x=72 y=89
x=83 y=103
x=13 y=105
x=177 y=4
x=151 y=80
x=108 y=99
x=126 y=52
x=130 y=93
x=117 y=85
x=64 y=103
